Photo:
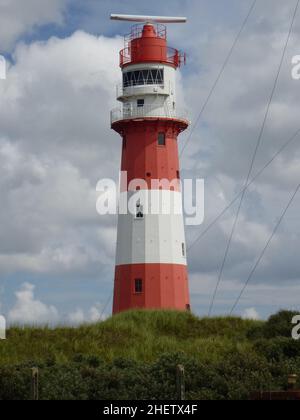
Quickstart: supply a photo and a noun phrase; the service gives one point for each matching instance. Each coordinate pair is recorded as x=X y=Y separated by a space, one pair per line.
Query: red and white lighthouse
x=151 y=267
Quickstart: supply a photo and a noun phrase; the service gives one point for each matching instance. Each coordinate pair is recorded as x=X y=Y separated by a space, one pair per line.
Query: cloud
x=59 y=92
x=251 y=313
x=222 y=146
x=80 y=316
x=17 y=18
x=28 y=310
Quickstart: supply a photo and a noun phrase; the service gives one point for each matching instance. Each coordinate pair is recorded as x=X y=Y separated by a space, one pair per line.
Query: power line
x=258 y=143
x=285 y=145
x=106 y=304
x=218 y=77
x=265 y=248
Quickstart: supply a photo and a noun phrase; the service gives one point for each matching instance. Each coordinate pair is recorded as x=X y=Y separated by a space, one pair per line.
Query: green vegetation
x=134 y=356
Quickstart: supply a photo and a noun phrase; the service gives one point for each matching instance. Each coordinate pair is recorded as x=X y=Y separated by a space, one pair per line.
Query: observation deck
x=147 y=112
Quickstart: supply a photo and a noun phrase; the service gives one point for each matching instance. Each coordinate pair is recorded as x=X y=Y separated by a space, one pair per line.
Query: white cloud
x=79 y=316
x=59 y=92
x=29 y=310
x=19 y=17
x=221 y=149
x=251 y=313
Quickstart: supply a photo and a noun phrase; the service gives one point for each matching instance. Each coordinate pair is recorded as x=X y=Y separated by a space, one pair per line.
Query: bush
x=279 y=325
x=278 y=349
x=15 y=383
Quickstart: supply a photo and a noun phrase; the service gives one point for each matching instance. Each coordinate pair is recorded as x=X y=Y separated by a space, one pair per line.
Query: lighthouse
x=151 y=265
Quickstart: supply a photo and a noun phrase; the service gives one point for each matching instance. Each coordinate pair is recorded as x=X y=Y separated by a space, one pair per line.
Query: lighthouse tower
x=151 y=266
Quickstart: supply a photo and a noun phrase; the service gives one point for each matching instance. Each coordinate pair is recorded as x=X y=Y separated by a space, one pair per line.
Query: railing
x=143 y=82
x=127 y=91
x=146 y=111
x=164 y=55
x=137 y=31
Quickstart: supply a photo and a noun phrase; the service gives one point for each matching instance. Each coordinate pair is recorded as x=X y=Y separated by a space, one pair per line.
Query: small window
x=138 y=286
x=140 y=103
x=161 y=139
x=124 y=142
x=178 y=174
x=139 y=211
x=183 y=249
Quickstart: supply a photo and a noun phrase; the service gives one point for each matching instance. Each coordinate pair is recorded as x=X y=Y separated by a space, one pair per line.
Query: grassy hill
x=134 y=355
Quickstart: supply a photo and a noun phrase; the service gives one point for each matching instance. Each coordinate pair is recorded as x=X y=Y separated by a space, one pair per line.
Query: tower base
x=160 y=286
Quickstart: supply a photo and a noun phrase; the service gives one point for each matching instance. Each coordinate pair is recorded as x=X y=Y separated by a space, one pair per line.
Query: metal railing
x=164 y=55
x=146 y=111
x=137 y=31
x=127 y=91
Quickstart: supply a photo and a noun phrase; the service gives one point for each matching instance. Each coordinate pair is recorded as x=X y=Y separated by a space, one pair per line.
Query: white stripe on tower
x=153 y=238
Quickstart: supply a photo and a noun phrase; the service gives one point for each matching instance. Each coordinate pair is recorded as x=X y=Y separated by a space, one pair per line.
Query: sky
x=56 y=252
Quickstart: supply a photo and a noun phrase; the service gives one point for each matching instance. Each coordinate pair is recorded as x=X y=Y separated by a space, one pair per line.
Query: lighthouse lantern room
x=151 y=266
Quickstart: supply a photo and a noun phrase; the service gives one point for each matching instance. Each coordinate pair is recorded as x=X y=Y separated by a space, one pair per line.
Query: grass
x=138 y=335
x=134 y=356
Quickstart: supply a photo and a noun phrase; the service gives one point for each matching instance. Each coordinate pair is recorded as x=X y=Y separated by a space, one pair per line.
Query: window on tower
x=143 y=77
x=139 y=211
x=138 y=286
x=183 y=249
x=161 y=139
x=140 y=103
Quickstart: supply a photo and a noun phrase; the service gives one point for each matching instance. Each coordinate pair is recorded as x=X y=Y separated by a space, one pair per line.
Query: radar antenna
x=148 y=19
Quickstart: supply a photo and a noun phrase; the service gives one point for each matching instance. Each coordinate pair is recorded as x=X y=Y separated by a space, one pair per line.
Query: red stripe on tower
x=151 y=267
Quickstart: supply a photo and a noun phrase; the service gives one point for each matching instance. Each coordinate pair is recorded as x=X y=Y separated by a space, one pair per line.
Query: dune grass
x=134 y=356
x=138 y=335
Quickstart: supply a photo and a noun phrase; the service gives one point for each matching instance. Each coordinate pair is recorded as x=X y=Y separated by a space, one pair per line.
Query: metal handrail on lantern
x=146 y=111
x=173 y=56
x=137 y=31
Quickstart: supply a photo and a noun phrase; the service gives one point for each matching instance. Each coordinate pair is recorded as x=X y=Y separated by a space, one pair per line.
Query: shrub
x=278 y=349
x=279 y=325
x=15 y=383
